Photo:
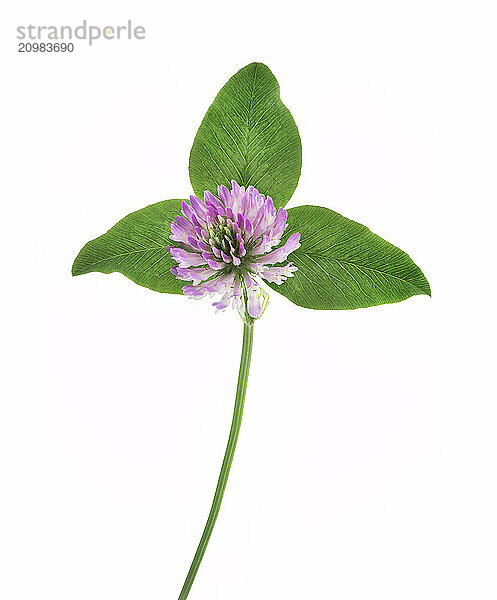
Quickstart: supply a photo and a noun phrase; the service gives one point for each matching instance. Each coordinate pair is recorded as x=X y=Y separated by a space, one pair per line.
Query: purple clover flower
x=225 y=242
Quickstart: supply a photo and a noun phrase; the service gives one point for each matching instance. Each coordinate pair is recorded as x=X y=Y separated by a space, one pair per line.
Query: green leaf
x=136 y=247
x=250 y=136
x=343 y=265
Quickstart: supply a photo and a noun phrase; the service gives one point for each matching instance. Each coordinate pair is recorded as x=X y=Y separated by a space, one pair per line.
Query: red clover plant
x=234 y=235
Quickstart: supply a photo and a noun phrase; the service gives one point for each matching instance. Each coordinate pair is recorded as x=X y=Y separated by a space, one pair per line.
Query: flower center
x=226 y=241
x=223 y=238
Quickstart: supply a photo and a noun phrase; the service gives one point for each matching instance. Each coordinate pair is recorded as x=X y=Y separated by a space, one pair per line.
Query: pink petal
x=280 y=254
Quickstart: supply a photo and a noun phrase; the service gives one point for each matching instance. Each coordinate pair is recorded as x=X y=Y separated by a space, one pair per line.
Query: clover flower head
x=224 y=243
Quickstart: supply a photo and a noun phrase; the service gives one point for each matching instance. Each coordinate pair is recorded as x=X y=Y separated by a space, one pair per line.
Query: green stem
x=248 y=332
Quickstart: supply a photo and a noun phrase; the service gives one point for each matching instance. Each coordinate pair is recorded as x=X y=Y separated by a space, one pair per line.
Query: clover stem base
x=248 y=332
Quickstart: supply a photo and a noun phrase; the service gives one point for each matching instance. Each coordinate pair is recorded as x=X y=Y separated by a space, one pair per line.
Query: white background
x=366 y=465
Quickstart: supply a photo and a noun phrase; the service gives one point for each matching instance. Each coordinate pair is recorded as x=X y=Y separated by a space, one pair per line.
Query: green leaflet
x=136 y=247
x=343 y=265
x=250 y=136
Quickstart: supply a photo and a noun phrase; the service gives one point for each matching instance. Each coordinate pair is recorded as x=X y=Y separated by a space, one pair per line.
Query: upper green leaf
x=250 y=136
x=343 y=265
x=136 y=247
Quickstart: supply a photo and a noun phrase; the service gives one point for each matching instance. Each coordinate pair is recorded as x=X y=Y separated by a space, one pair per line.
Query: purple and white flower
x=225 y=242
